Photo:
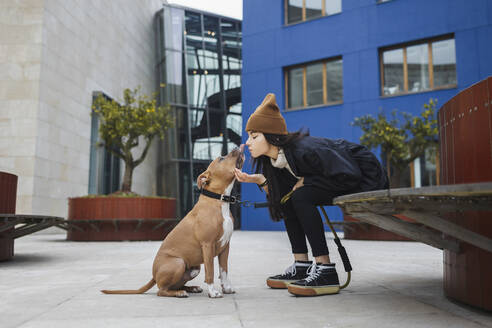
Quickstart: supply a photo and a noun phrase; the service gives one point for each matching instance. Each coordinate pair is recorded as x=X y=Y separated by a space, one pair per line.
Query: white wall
x=20 y=65
x=68 y=49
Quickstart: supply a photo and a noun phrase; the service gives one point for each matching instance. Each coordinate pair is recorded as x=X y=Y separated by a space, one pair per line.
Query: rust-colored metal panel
x=466 y=157
x=129 y=229
x=8 y=196
x=464 y=140
x=473 y=289
x=459 y=137
x=481 y=166
x=451 y=122
x=441 y=119
x=127 y=211
x=466 y=274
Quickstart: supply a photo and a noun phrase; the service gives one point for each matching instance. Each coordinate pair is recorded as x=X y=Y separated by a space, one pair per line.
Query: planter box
x=8 y=195
x=465 y=123
x=120 y=218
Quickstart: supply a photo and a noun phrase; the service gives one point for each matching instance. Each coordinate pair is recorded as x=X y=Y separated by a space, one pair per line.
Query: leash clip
x=245 y=203
x=230 y=199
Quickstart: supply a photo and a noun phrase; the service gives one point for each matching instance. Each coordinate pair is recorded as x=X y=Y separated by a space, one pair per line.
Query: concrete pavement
x=55 y=283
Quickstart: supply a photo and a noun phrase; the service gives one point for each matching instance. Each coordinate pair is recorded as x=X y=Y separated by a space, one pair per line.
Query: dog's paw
x=214 y=293
x=193 y=289
x=181 y=293
x=225 y=283
x=172 y=293
x=227 y=289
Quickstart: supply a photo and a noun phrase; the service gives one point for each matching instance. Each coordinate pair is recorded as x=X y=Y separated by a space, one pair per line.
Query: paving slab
x=52 y=282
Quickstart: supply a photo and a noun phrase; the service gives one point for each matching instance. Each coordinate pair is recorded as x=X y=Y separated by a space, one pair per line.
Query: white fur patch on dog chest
x=227 y=224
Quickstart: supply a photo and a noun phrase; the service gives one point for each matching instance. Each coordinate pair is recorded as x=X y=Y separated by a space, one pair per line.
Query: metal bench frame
x=25 y=224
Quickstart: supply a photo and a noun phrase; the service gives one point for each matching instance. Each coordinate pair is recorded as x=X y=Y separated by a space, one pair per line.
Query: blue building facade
x=394 y=54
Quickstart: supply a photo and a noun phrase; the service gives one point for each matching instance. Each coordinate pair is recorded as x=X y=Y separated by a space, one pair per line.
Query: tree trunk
x=127 y=179
x=388 y=167
x=396 y=175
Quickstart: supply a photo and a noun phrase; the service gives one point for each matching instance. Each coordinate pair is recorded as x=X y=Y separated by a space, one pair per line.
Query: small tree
x=401 y=144
x=123 y=126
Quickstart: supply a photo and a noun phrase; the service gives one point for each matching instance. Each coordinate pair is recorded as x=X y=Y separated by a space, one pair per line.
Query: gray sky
x=230 y=8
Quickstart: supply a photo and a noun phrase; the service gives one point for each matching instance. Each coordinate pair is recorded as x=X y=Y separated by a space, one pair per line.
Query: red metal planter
x=120 y=218
x=8 y=195
x=465 y=129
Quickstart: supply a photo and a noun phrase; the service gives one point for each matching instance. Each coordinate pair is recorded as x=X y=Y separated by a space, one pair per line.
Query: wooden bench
x=442 y=215
x=13 y=226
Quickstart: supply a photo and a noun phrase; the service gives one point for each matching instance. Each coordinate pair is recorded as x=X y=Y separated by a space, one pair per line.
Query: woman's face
x=257 y=144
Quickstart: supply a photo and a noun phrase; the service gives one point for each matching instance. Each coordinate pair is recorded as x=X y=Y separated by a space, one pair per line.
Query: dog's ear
x=203 y=179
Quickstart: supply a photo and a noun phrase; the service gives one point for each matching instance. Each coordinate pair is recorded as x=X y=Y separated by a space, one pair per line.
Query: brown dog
x=201 y=235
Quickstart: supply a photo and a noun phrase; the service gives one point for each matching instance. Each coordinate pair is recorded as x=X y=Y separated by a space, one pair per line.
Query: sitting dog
x=201 y=235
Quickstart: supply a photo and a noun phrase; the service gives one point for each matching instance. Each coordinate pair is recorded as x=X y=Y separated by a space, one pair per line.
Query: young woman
x=316 y=170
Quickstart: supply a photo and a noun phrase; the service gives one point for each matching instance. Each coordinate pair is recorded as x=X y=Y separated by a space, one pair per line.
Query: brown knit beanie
x=267 y=118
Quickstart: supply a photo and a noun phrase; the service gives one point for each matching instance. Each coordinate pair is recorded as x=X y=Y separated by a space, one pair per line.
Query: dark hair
x=262 y=164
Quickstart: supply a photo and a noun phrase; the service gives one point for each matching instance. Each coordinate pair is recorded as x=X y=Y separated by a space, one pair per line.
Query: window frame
x=325 y=103
x=323 y=12
x=404 y=47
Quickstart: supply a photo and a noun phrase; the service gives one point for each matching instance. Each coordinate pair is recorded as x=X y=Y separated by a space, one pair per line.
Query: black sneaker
x=295 y=272
x=322 y=279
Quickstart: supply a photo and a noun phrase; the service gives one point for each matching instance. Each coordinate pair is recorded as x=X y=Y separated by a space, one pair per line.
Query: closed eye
x=221 y=158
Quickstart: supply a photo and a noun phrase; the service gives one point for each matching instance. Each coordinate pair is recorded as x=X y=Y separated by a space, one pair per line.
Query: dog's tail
x=142 y=290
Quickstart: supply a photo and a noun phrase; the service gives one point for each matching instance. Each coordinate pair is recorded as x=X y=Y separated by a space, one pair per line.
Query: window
x=104 y=167
x=418 y=67
x=424 y=171
x=314 y=84
x=302 y=10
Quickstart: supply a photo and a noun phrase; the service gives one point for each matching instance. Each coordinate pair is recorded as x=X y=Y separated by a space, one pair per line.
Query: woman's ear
x=203 y=179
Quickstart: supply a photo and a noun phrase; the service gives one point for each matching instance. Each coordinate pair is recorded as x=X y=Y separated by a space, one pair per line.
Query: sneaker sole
x=278 y=284
x=313 y=291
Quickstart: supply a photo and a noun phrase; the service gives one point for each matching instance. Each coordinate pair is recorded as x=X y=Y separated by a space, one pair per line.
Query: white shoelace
x=313 y=272
x=291 y=270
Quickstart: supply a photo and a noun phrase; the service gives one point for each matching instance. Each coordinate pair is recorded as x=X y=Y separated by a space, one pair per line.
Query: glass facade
x=199 y=70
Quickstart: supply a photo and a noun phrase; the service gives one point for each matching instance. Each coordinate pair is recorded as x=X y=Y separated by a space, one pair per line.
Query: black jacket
x=338 y=166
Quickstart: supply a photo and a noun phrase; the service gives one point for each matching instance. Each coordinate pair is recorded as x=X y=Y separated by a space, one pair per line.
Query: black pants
x=302 y=219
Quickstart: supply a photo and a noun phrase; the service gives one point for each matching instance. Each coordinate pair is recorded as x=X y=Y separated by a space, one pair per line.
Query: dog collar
x=224 y=198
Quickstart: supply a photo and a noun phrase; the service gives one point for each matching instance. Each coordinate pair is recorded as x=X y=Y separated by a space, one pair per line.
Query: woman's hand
x=251 y=178
x=299 y=184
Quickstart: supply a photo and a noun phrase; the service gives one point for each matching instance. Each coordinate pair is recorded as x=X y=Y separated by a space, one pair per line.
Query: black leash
x=247 y=203
x=341 y=250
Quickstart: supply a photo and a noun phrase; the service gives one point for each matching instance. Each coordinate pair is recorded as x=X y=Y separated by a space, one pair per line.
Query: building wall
x=356 y=33
x=72 y=49
x=21 y=27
